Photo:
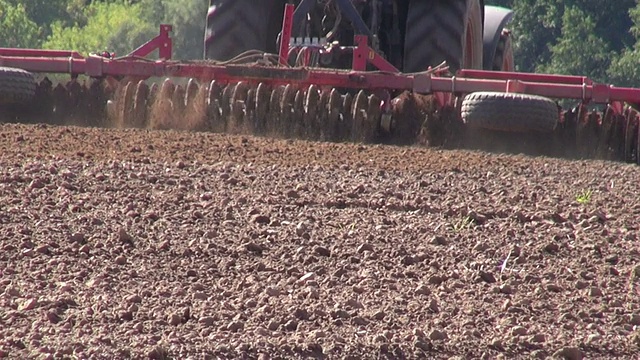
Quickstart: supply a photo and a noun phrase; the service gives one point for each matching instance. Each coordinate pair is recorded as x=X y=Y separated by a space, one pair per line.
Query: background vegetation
x=597 y=38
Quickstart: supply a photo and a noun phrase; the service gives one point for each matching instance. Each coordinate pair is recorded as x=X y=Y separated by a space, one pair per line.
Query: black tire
x=436 y=31
x=17 y=86
x=503 y=59
x=510 y=112
x=236 y=26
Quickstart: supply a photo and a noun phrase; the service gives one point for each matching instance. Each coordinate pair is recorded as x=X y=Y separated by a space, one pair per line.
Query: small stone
x=581 y=284
x=322 y=251
x=306 y=277
x=121 y=260
x=235 y=326
x=551 y=248
x=487 y=277
x=43 y=249
x=301 y=314
x=86 y=249
x=158 y=353
x=436 y=280
x=408 y=260
x=340 y=314
x=423 y=290
x=558 y=217
x=124 y=237
x=134 y=299
x=272 y=291
x=481 y=246
x=126 y=315
x=538 y=338
x=319 y=334
x=634 y=319
x=437 y=335
x=301 y=229
x=554 y=288
x=497 y=344
x=518 y=331
x=253 y=247
x=439 y=240
x=538 y=354
x=273 y=325
x=78 y=238
x=365 y=247
x=165 y=245
x=293 y=194
x=291 y=325
x=53 y=317
x=260 y=219
x=30 y=304
x=36 y=184
x=569 y=353
x=359 y=321
x=207 y=320
x=433 y=306
x=595 y=292
x=593 y=338
x=175 y=319
x=506 y=289
x=355 y=304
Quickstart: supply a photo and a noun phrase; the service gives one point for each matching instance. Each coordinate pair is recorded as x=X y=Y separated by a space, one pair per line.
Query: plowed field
x=141 y=244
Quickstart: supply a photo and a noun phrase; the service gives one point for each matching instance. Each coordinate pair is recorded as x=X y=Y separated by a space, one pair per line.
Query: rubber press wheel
x=17 y=86
x=438 y=31
x=236 y=26
x=510 y=112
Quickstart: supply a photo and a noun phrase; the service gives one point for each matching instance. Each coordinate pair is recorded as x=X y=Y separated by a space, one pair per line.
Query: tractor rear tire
x=438 y=31
x=17 y=86
x=510 y=112
x=236 y=26
x=503 y=59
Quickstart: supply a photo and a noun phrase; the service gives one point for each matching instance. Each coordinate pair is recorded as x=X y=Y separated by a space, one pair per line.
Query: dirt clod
x=569 y=353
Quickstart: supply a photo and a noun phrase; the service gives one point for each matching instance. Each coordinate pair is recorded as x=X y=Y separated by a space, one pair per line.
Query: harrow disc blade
x=320 y=113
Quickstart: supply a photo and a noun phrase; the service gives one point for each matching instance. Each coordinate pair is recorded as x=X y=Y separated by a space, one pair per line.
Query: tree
x=188 y=20
x=578 y=51
x=115 y=26
x=16 y=29
x=46 y=12
x=539 y=26
x=625 y=71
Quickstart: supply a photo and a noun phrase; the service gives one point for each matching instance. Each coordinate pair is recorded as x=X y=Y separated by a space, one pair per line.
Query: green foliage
x=16 y=29
x=462 y=224
x=584 y=197
x=578 y=50
x=596 y=38
x=585 y=37
x=115 y=26
x=188 y=20
x=625 y=70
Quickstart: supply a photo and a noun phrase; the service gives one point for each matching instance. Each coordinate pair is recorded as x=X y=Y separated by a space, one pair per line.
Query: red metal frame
x=389 y=78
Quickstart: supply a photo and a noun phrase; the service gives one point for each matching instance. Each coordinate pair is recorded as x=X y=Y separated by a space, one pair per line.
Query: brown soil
x=164 y=244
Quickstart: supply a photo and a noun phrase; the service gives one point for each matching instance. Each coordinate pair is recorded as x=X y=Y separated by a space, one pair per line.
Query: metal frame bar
x=466 y=81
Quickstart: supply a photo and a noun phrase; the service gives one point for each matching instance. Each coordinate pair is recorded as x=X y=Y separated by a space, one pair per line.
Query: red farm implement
x=356 y=80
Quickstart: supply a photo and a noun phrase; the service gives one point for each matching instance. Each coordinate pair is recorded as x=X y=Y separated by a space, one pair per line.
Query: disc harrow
x=322 y=114
x=272 y=97
x=313 y=113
